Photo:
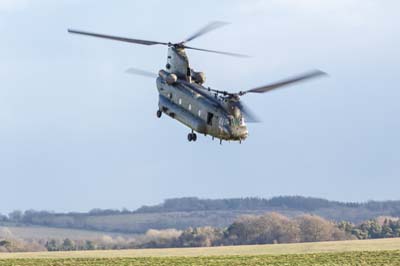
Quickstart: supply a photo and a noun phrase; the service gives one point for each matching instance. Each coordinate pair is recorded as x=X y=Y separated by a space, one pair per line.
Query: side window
x=199 y=113
x=190 y=107
x=210 y=118
x=180 y=101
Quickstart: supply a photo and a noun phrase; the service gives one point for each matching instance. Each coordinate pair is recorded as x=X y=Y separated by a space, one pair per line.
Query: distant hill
x=181 y=213
x=286 y=202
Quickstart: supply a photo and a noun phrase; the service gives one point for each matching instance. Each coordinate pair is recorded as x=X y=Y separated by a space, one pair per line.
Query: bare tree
x=314 y=228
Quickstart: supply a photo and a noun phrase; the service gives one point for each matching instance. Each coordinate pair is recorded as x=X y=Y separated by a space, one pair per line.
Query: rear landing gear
x=159 y=113
x=192 y=137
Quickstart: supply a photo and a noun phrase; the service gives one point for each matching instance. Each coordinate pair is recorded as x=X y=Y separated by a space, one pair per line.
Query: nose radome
x=242 y=132
x=245 y=134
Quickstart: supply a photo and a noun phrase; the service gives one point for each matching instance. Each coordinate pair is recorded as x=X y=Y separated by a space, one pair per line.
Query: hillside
x=193 y=212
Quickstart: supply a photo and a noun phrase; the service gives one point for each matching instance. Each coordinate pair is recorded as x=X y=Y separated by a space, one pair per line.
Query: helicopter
x=183 y=96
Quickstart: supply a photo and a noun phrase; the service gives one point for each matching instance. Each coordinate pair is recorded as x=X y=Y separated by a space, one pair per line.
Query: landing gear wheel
x=159 y=113
x=192 y=137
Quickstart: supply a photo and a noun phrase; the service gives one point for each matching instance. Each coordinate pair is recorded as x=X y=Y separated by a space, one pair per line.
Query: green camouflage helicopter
x=182 y=96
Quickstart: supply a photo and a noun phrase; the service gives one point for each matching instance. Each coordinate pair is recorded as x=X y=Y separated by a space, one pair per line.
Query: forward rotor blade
x=209 y=27
x=249 y=115
x=140 y=72
x=216 y=52
x=286 y=82
x=115 y=38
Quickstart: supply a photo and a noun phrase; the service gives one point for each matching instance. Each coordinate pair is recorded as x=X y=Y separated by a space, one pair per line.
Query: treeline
x=270 y=228
x=18 y=245
x=371 y=229
x=299 y=203
x=189 y=204
x=193 y=212
x=274 y=228
x=196 y=204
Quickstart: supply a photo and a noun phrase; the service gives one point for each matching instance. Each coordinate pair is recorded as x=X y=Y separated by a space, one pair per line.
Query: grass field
x=378 y=258
x=367 y=252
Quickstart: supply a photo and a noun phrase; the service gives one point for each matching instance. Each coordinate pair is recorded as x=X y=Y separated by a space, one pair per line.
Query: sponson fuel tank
x=198 y=77
x=168 y=77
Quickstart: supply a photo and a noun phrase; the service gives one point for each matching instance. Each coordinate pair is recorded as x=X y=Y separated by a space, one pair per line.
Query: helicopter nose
x=241 y=133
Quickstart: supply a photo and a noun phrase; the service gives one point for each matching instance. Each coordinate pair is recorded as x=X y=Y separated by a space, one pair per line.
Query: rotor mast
x=178 y=63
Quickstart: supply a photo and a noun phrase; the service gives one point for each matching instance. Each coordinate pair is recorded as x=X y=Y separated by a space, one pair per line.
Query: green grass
x=377 y=258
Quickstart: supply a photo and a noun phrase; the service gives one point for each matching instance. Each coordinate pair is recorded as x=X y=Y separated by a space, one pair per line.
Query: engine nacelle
x=168 y=77
x=198 y=77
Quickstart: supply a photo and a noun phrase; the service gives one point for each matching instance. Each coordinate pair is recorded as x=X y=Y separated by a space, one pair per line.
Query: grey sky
x=76 y=132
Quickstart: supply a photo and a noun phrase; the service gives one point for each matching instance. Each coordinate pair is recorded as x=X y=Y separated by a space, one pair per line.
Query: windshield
x=236 y=121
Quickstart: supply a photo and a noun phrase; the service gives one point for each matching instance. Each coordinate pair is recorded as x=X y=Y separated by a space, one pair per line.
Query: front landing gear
x=192 y=137
x=159 y=113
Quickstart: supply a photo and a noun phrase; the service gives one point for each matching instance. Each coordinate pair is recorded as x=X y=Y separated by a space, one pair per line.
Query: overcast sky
x=78 y=133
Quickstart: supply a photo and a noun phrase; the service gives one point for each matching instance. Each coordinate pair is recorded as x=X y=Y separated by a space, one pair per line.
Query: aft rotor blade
x=140 y=72
x=216 y=52
x=286 y=82
x=209 y=27
x=116 y=38
x=249 y=115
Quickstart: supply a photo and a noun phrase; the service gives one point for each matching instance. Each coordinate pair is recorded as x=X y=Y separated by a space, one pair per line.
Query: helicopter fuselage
x=203 y=112
x=186 y=100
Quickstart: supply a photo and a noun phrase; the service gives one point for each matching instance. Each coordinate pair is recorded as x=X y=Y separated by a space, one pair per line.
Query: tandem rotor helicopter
x=183 y=97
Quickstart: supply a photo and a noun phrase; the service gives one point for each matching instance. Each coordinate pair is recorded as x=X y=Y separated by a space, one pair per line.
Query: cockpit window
x=236 y=121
